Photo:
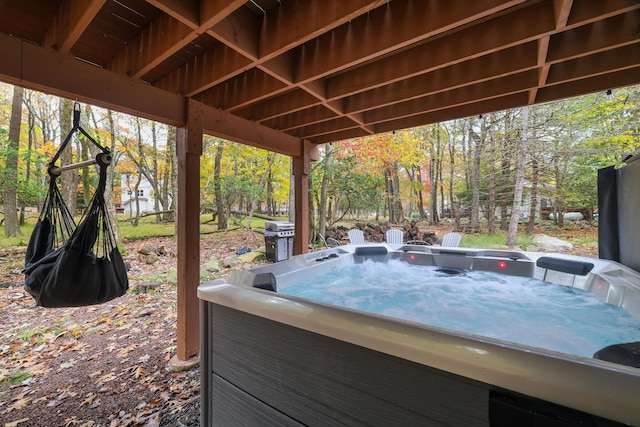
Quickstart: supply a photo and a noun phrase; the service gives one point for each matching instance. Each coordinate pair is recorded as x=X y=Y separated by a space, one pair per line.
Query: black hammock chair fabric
x=69 y=266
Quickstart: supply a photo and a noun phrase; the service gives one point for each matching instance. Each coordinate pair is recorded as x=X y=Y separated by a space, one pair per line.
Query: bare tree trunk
x=68 y=179
x=397 y=201
x=475 y=180
x=10 y=179
x=534 y=196
x=433 y=194
x=31 y=120
x=505 y=181
x=491 y=214
x=169 y=196
x=517 y=194
x=263 y=180
x=110 y=199
x=452 y=163
x=83 y=151
x=217 y=186
x=324 y=185
x=433 y=180
x=292 y=196
x=154 y=171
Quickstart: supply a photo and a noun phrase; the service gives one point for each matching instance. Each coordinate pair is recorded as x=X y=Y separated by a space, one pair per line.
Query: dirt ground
x=107 y=365
x=103 y=365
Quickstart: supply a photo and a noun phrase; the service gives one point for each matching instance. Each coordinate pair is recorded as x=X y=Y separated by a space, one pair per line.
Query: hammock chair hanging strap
x=103 y=158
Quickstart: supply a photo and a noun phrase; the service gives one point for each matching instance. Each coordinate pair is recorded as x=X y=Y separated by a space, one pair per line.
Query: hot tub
x=272 y=359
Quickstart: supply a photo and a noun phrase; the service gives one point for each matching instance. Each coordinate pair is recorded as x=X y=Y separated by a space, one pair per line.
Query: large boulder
x=551 y=244
x=211 y=266
x=252 y=256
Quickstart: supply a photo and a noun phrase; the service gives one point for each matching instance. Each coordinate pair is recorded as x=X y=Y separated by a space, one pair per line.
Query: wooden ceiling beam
x=185 y=11
x=206 y=70
x=297 y=119
x=466 y=110
x=586 y=12
x=489 y=36
x=71 y=20
x=419 y=12
x=289 y=102
x=561 y=9
x=46 y=70
x=498 y=64
x=242 y=90
x=337 y=124
x=225 y=125
x=287 y=26
x=339 y=136
x=49 y=71
x=465 y=95
x=591 y=84
x=378 y=33
x=162 y=38
x=181 y=23
x=610 y=33
x=240 y=31
x=593 y=65
x=297 y=22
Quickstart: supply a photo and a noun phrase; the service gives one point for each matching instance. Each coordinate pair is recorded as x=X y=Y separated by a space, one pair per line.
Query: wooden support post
x=189 y=150
x=301 y=170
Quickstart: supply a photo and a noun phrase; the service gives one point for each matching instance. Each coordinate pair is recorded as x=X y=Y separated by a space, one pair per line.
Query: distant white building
x=146 y=196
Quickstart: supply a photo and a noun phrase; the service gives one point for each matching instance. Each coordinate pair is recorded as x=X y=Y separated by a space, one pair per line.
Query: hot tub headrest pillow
x=565 y=265
x=370 y=250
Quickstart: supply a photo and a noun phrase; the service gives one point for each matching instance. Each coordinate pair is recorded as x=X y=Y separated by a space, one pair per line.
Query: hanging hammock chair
x=68 y=265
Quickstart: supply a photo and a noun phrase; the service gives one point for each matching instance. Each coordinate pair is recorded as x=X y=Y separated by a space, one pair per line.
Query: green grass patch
x=497 y=240
x=27 y=336
x=16 y=378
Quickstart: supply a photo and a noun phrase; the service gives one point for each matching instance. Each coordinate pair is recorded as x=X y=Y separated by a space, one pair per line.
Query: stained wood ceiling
x=319 y=70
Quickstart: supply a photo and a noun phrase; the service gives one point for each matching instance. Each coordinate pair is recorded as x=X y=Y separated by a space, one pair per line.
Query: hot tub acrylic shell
x=272 y=359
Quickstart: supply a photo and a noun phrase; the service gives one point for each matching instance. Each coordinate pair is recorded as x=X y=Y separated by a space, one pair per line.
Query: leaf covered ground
x=107 y=365
x=103 y=365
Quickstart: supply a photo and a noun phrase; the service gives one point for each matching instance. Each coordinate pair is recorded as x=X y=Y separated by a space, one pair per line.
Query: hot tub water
x=510 y=308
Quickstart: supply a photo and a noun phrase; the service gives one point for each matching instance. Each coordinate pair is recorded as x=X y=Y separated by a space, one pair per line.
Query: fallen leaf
x=139 y=372
x=89 y=400
x=106 y=378
x=96 y=373
x=19 y=404
x=16 y=422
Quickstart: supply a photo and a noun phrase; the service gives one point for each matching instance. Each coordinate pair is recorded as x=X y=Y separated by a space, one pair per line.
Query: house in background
x=145 y=194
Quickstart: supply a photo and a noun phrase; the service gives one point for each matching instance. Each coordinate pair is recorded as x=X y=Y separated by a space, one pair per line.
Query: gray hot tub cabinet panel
x=259 y=372
x=321 y=381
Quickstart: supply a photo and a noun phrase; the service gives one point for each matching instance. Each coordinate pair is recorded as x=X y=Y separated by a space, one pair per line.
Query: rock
x=230 y=262
x=251 y=257
x=211 y=266
x=147 y=249
x=552 y=244
x=143 y=288
x=151 y=258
